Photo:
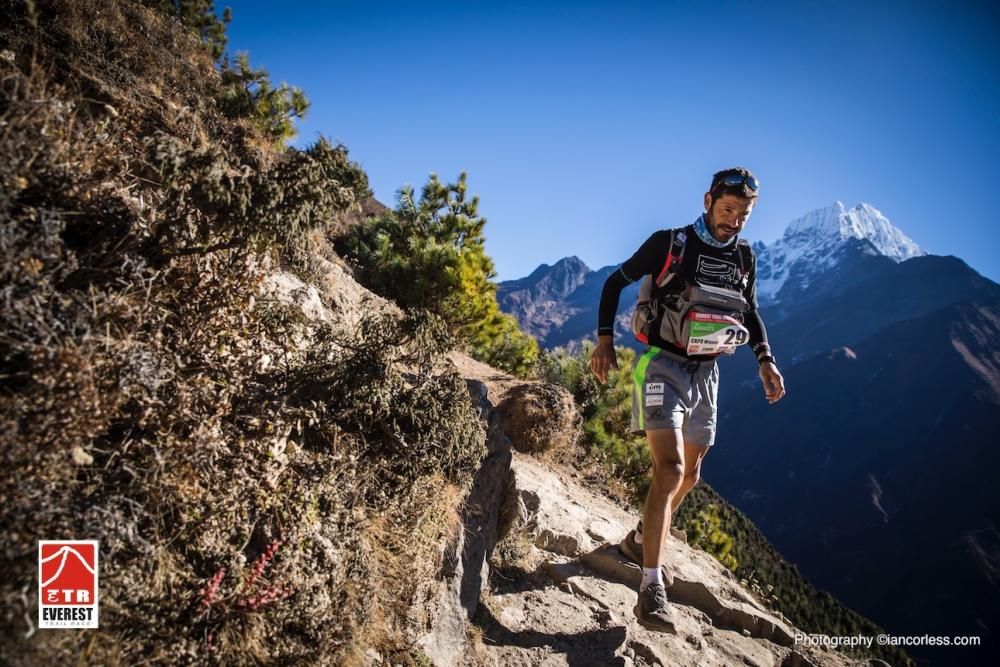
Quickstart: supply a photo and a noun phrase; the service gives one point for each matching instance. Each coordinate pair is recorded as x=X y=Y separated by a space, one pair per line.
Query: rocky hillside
x=190 y=377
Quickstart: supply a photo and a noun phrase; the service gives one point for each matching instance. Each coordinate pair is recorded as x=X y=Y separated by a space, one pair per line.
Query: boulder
x=539 y=417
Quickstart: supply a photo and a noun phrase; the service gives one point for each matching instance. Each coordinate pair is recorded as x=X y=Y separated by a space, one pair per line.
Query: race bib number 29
x=715 y=334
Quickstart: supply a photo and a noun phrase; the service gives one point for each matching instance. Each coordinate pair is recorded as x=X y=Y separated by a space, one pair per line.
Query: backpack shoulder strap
x=745 y=255
x=741 y=251
x=678 y=242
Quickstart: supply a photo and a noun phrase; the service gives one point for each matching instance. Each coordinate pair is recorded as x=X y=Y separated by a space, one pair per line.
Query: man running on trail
x=703 y=303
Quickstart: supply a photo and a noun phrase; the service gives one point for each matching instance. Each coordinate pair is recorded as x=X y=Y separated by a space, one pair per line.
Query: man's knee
x=668 y=475
x=667 y=455
x=692 y=476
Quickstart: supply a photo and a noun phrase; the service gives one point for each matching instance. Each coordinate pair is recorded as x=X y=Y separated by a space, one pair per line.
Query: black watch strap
x=765 y=358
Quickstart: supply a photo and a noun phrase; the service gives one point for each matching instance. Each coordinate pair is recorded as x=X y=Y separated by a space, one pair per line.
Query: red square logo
x=67 y=584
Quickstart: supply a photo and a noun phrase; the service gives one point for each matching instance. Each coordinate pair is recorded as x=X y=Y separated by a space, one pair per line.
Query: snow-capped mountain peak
x=864 y=221
x=818 y=234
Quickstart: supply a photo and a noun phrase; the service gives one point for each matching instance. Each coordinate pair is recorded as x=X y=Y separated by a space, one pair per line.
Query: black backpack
x=649 y=306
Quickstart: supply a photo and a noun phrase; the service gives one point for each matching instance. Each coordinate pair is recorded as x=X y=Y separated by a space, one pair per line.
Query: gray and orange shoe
x=633 y=550
x=653 y=611
x=630 y=548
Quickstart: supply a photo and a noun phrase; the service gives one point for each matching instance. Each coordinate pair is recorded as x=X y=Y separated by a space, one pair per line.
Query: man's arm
x=774 y=383
x=751 y=318
x=758 y=334
x=610 y=297
x=642 y=262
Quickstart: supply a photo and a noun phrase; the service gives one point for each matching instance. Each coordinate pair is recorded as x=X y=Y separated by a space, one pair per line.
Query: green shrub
x=704 y=530
x=214 y=200
x=606 y=411
x=412 y=423
x=248 y=93
x=430 y=253
x=499 y=342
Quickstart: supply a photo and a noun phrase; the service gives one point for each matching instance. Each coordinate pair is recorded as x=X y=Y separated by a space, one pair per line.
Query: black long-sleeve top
x=706 y=264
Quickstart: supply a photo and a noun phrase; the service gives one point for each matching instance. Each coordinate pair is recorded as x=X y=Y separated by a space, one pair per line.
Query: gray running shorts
x=668 y=392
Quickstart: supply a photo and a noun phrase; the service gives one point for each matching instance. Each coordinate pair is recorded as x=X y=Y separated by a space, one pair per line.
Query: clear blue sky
x=586 y=126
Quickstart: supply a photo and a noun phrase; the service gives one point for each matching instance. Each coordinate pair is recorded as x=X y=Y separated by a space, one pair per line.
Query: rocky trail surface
x=569 y=600
x=576 y=608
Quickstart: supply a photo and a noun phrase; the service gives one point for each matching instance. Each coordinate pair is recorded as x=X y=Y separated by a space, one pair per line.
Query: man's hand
x=603 y=358
x=774 y=384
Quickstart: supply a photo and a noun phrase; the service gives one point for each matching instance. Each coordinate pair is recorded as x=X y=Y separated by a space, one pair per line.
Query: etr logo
x=67 y=584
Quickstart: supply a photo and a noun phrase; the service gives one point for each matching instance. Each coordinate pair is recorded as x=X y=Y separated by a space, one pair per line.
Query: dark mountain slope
x=876 y=473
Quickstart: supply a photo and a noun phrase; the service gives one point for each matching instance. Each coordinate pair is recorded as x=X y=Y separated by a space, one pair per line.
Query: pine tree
x=245 y=92
x=431 y=253
x=248 y=93
x=200 y=17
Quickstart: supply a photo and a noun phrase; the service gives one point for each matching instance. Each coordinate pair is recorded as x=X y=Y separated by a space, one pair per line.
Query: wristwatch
x=766 y=358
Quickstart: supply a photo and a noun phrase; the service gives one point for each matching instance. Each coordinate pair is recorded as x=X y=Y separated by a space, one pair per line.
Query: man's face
x=727 y=215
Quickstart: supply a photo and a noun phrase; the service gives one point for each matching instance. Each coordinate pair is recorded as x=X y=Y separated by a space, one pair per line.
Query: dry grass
x=405 y=543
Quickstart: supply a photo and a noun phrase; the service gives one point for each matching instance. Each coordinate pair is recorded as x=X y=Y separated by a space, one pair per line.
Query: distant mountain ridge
x=558 y=304
x=541 y=297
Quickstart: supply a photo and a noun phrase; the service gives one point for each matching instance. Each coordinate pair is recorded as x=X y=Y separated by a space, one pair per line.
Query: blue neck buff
x=701 y=229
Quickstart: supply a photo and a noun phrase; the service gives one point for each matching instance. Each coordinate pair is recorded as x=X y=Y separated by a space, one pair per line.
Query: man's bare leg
x=667 y=454
x=693 y=454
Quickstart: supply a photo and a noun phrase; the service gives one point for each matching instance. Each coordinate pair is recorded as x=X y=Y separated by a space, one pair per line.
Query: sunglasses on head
x=734 y=180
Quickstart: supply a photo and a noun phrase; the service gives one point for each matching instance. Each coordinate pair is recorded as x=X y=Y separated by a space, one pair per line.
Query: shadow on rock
x=588 y=648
